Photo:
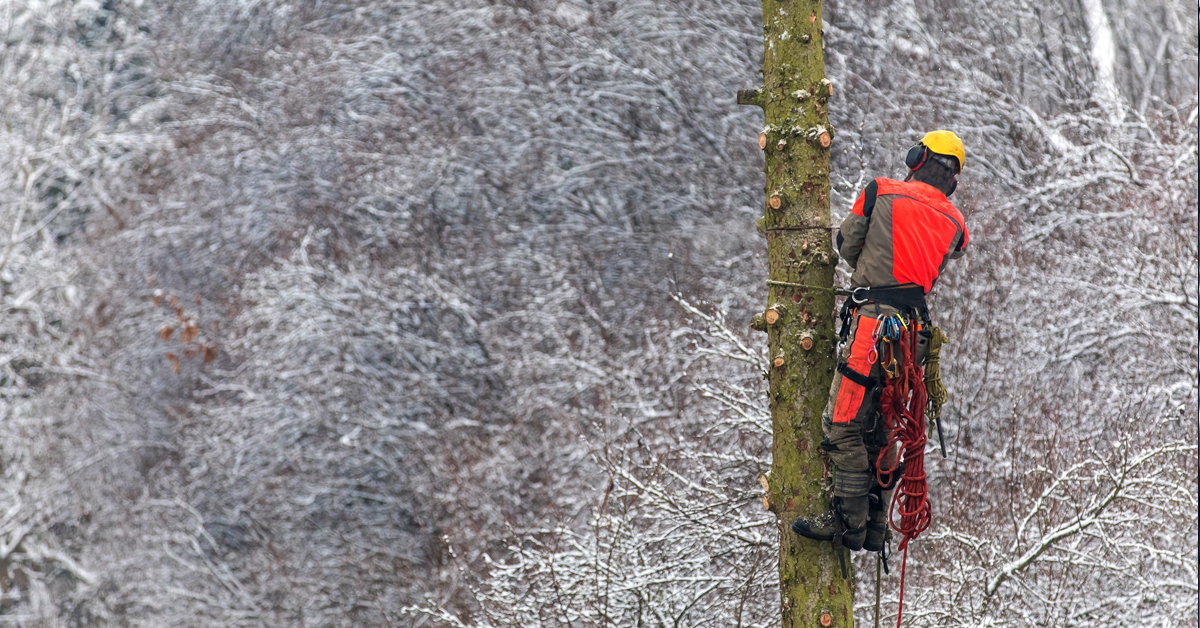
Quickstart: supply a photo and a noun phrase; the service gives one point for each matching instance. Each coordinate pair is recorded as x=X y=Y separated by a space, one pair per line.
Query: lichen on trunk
x=794 y=97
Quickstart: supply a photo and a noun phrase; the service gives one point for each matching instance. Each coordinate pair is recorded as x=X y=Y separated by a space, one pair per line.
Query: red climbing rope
x=903 y=408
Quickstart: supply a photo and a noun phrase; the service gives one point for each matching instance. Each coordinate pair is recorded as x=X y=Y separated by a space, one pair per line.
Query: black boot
x=846 y=512
x=877 y=524
x=820 y=527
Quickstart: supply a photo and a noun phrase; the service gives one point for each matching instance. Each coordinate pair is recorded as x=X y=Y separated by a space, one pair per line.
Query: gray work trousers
x=851 y=408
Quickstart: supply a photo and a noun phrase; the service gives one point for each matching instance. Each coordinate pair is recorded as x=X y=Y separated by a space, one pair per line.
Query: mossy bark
x=794 y=96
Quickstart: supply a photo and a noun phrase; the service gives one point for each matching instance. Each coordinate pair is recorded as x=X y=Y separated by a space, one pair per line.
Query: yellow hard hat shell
x=946 y=143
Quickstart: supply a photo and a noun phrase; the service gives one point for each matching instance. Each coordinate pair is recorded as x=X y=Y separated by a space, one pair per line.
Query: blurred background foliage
x=412 y=313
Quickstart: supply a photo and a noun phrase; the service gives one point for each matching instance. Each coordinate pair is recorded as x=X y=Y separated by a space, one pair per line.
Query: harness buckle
x=854 y=295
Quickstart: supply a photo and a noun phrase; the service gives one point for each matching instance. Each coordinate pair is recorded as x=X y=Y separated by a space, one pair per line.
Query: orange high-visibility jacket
x=901 y=233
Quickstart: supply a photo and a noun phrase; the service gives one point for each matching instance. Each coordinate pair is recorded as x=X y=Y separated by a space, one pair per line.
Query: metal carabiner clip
x=892 y=368
x=854 y=295
x=873 y=352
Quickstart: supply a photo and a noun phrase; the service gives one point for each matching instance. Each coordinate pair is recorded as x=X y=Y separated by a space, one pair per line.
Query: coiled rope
x=933 y=376
x=903 y=404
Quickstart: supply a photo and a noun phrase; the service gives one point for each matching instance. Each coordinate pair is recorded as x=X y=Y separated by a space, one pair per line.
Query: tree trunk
x=799 y=320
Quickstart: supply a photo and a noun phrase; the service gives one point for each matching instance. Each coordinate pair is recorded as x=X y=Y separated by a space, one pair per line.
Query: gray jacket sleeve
x=959 y=249
x=851 y=236
x=853 y=232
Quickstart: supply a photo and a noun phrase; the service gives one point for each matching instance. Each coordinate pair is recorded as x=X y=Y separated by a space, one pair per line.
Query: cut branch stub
x=826 y=619
x=781 y=144
x=806 y=343
x=826 y=89
x=775 y=202
x=762 y=140
x=779 y=361
x=750 y=97
x=771 y=316
x=820 y=135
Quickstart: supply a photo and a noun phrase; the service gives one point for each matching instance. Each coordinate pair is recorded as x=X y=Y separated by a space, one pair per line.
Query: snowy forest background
x=416 y=313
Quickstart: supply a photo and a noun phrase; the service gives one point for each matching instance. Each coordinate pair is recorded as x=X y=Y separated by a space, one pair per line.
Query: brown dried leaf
x=165 y=332
x=210 y=353
x=174 y=359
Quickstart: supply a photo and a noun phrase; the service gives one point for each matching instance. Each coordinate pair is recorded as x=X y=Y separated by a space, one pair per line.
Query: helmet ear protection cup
x=916 y=157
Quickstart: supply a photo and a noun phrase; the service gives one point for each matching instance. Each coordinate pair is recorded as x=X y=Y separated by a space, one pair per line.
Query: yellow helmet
x=946 y=143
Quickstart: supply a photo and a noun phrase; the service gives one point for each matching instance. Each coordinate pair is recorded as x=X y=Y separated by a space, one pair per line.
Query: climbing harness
x=904 y=298
x=902 y=404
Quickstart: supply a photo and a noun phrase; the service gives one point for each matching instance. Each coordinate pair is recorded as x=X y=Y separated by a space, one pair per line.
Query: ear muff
x=916 y=157
x=953 y=186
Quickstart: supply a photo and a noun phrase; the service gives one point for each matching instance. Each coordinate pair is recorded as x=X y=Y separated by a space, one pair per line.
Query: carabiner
x=892 y=369
x=873 y=353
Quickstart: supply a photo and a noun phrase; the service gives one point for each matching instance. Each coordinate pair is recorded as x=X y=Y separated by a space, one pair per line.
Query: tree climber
x=897 y=238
